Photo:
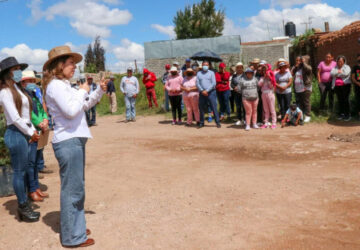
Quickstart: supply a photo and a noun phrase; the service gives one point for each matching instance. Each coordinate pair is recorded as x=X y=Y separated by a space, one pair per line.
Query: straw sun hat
x=60 y=51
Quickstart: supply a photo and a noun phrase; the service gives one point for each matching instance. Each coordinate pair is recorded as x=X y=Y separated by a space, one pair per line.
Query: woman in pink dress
x=191 y=96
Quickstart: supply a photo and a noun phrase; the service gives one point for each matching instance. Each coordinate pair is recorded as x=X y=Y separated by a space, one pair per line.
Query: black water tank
x=290 y=29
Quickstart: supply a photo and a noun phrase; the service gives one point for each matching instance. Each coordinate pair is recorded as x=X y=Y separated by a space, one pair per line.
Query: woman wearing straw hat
x=71 y=132
x=20 y=132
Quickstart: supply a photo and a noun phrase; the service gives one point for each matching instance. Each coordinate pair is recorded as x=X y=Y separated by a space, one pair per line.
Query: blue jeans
x=203 y=105
x=71 y=157
x=40 y=163
x=224 y=101
x=284 y=101
x=130 y=107
x=91 y=116
x=167 y=109
x=18 y=145
x=32 y=173
x=240 y=111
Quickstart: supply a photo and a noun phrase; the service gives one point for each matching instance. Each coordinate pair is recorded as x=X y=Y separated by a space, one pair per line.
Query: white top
x=23 y=121
x=67 y=107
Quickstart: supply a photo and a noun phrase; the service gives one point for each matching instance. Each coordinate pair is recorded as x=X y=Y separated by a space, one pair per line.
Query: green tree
x=89 y=64
x=199 y=21
x=95 y=57
x=99 y=54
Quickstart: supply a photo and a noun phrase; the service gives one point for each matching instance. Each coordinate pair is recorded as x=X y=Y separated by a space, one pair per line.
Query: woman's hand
x=35 y=137
x=103 y=84
x=85 y=87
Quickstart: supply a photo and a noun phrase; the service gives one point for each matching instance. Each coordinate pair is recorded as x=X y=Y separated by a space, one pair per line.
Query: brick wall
x=269 y=52
x=345 y=45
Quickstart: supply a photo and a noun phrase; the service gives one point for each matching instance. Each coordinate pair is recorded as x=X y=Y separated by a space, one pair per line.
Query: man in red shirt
x=223 y=91
x=149 y=80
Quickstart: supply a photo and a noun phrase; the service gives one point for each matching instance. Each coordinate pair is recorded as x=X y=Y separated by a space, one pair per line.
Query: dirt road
x=151 y=185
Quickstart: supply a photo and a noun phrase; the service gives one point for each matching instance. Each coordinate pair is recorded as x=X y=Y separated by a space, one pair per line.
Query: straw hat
x=189 y=70
x=239 y=64
x=28 y=74
x=60 y=51
x=256 y=60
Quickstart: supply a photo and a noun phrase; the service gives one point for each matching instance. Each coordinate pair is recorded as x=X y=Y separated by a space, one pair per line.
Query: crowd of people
x=253 y=90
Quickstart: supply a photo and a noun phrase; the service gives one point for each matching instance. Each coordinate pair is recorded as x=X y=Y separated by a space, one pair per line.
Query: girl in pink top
x=173 y=86
x=191 y=96
x=267 y=85
x=325 y=80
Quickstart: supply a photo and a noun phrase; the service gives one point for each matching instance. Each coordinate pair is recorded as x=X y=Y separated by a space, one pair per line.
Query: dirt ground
x=150 y=185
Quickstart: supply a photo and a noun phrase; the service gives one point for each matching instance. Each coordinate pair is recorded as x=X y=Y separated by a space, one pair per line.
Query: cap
x=176 y=63
x=281 y=60
x=263 y=62
x=112 y=77
x=249 y=70
x=167 y=66
x=188 y=60
x=222 y=65
x=130 y=69
x=173 y=69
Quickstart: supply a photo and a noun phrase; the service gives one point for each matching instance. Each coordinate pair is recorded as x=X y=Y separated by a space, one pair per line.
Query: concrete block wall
x=157 y=65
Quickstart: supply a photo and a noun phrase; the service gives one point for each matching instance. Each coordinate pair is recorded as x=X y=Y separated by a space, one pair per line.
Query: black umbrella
x=206 y=55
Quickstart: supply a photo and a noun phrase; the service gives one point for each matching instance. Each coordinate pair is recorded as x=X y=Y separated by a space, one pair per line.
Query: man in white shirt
x=129 y=86
x=91 y=113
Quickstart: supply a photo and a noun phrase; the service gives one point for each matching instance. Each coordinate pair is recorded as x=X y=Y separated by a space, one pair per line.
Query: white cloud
x=268 y=23
x=289 y=3
x=89 y=17
x=24 y=54
x=126 y=53
x=167 y=30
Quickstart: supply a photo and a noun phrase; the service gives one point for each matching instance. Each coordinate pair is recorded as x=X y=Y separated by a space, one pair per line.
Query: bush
x=4 y=153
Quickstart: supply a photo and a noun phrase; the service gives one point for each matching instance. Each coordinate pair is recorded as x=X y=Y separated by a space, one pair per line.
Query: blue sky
x=31 y=28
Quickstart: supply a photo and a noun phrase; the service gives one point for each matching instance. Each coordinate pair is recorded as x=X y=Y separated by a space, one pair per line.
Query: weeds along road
x=150 y=185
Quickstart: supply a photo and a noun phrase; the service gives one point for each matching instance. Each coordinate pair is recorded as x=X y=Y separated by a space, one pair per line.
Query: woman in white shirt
x=67 y=105
x=19 y=132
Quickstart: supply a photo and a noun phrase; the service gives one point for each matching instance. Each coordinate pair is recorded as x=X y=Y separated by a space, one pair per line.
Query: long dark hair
x=6 y=82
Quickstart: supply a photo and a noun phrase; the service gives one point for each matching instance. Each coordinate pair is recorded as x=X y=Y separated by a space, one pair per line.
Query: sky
x=30 y=28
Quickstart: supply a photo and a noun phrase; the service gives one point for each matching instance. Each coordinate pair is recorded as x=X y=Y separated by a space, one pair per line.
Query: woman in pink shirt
x=324 y=78
x=173 y=86
x=191 y=96
x=267 y=84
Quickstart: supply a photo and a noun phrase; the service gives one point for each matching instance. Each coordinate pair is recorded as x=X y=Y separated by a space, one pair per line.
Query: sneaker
x=255 y=126
x=201 y=125
x=179 y=122
x=210 y=119
x=307 y=119
x=218 y=125
x=247 y=128
x=173 y=122
x=264 y=126
x=347 y=118
x=273 y=126
x=238 y=123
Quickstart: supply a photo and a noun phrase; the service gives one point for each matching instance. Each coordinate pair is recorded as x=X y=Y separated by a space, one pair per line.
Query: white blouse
x=23 y=121
x=67 y=107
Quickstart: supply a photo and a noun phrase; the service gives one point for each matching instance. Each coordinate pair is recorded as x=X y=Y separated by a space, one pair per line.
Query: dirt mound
x=353 y=138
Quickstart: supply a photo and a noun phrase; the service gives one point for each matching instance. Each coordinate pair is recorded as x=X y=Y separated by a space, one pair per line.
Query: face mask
x=205 y=68
x=17 y=75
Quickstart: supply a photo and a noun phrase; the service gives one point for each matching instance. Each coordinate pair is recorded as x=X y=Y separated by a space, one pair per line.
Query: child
x=294 y=116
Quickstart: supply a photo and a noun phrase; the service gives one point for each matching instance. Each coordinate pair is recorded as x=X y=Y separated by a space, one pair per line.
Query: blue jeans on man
x=224 y=101
x=91 y=116
x=18 y=146
x=167 y=107
x=71 y=157
x=130 y=107
x=204 y=101
x=40 y=162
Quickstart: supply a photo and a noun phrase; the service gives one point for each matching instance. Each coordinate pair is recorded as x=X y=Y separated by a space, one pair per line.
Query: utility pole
x=268 y=30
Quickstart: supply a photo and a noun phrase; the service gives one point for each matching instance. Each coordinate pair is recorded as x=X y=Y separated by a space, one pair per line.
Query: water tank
x=290 y=29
